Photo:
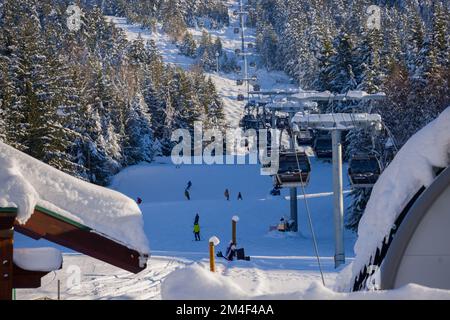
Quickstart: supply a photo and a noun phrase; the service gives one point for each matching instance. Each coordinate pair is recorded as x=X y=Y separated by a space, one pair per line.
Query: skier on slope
x=197 y=218
x=187 y=195
x=227 y=194
x=189 y=185
x=197 y=232
x=239 y=196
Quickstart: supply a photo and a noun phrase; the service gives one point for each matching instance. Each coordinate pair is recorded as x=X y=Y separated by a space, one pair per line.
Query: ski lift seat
x=364 y=170
x=305 y=138
x=289 y=174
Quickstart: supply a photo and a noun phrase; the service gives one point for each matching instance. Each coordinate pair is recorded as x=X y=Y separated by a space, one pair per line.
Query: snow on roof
x=412 y=168
x=26 y=183
x=343 y=121
x=38 y=259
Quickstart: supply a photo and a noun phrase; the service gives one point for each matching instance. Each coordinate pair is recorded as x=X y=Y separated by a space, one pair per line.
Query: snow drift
x=26 y=183
x=196 y=282
x=38 y=259
x=412 y=168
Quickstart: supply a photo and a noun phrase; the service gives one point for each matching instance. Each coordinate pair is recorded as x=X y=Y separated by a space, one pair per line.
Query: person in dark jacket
x=197 y=218
x=227 y=194
x=239 y=196
x=186 y=194
x=189 y=185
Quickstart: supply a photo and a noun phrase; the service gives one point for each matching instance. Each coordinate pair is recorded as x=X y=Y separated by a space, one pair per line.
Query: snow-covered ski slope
x=282 y=266
x=225 y=82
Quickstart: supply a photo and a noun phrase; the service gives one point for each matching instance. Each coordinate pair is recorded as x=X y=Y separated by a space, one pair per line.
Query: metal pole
x=339 y=256
x=294 y=212
x=59 y=289
x=293 y=191
x=212 y=266
x=233 y=231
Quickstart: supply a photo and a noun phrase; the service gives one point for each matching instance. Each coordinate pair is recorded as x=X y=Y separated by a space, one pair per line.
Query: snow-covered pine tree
x=188 y=46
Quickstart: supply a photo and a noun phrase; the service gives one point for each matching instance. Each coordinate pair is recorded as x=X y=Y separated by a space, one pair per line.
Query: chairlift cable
x=309 y=214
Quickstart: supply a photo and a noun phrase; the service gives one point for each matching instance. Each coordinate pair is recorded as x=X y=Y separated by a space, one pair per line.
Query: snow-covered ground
x=280 y=263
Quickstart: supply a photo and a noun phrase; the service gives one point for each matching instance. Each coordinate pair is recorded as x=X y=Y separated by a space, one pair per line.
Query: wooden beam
x=51 y=226
x=24 y=279
x=7 y=218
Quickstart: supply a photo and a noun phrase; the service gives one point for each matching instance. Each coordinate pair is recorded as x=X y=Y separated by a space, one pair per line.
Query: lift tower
x=336 y=123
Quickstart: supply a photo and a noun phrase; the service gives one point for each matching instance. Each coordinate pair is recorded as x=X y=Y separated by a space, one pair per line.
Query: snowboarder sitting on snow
x=197 y=232
x=230 y=253
x=186 y=194
x=231 y=249
x=227 y=194
x=282 y=225
x=138 y=200
x=239 y=196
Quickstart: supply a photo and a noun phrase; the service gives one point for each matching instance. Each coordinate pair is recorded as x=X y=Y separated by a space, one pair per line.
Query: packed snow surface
x=184 y=284
x=412 y=168
x=27 y=183
x=38 y=259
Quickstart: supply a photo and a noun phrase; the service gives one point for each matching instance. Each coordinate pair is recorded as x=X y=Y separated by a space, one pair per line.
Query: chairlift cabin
x=282 y=123
x=237 y=51
x=294 y=170
x=249 y=122
x=239 y=82
x=305 y=138
x=238 y=69
x=236 y=30
x=240 y=97
x=250 y=46
x=364 y=170
x=257 y=88
x=323 y=147
x=252 y=64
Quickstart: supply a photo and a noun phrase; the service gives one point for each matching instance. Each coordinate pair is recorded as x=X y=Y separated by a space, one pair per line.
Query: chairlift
x=239 y=82
x=238 y=69
x=305 y=138
x=282 y=123
x=249 y=122
x=252 y=64
x=235 y=12
x=323 y=147
x=294 y=170
x=257 y=87
x=240 y=97
x=237 y=51
x=250 y=45
x=364 y=170
x=236 y=30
